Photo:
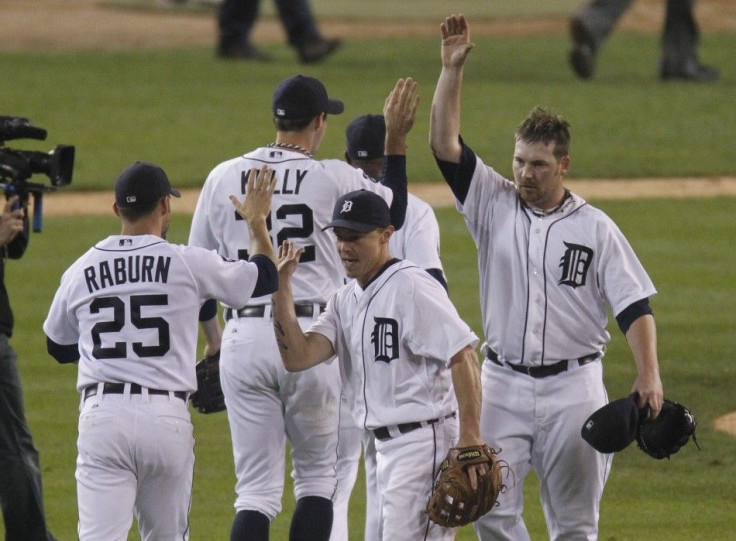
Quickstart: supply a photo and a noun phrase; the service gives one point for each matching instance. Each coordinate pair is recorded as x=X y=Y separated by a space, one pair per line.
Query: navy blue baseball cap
x=613 y=427
x=142 y=183
x=303 y=97
x=365 y=137
x=361 y=211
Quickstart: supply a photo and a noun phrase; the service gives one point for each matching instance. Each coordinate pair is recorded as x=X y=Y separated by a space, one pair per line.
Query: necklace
x=567 y=198
x=289 y=146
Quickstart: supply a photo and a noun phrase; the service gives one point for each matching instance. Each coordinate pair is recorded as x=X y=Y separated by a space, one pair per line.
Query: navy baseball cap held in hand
x=303 y=97
x=142 y=183
x=613 y=427
x=361 y=211
x=365 y=137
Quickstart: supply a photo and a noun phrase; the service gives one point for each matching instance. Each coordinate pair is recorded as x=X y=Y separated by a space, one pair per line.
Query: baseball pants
x=536 y=424
x=266 y=405
x=135 y=456
x=405 y=470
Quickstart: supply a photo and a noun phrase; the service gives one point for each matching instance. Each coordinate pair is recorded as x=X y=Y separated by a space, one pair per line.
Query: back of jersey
x=134 y=303
x=302 y=205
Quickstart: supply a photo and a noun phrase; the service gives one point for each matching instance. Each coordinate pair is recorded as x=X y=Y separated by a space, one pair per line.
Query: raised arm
x=444 y=122
x=299 y=351
x=399 y=111
x=255 y=208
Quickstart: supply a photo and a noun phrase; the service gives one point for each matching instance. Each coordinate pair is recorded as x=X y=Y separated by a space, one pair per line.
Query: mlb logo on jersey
x=125 y=242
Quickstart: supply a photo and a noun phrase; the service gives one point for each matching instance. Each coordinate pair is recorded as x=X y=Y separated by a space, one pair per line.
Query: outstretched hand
x=258 y=193
x=456 y=43
x=288 y=258
x=400 y=108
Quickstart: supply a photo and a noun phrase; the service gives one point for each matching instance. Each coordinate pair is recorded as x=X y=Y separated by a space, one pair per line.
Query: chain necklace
x=567 y=198
x=289 y=146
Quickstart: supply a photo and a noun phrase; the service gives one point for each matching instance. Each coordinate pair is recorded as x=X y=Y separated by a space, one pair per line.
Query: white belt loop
x=267 y=311
x=126 y=392
x=145 y=397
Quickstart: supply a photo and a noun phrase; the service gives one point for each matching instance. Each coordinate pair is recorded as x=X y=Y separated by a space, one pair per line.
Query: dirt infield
x=94 y=24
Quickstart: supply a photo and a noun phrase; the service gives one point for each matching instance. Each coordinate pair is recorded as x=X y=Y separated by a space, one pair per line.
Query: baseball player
x=266 y=404
x=549 y=265
x=127 y=312
x=418 y=241
x=406 y=359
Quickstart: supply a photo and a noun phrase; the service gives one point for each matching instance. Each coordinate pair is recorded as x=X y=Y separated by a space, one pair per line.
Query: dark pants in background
x=20 y=473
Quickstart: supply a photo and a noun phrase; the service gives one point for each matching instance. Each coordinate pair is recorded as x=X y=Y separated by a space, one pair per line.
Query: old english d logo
x=575 y=264
x=385 y=339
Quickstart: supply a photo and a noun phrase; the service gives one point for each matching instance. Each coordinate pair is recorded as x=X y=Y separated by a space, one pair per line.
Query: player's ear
x=564 y=165
x=386 y=234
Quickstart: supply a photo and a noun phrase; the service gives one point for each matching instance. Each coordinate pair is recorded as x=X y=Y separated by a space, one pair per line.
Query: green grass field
x=689 y=250
x=186 y=111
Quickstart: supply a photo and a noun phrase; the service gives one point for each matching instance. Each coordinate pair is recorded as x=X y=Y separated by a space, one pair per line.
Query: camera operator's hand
x=11 y=221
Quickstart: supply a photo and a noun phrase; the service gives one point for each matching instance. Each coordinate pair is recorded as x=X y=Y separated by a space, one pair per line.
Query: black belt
x=119 y=388
x=382 y=433
x=544 y=370
x=302 y=310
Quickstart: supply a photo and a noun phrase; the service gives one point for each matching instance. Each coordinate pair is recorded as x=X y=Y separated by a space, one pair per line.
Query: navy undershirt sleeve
x=631 y=313
x=62 y=353
x=394 y=177
x=208 y=310
x=268 y=279
x=459 y=175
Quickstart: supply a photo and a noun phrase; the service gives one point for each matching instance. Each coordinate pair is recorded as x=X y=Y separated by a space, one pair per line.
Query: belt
x=259 y=310
x=384 y=433
x=119 y=388
x=544 y=370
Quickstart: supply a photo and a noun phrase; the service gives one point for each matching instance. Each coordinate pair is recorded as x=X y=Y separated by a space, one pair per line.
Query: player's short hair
x=133 y=214
x=292 y=124
x=545 y=126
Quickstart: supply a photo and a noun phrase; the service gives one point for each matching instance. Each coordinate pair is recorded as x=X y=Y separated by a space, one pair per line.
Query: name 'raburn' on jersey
x=129 y=269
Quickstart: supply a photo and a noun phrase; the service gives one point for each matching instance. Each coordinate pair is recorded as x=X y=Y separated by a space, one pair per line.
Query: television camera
x=17 y=166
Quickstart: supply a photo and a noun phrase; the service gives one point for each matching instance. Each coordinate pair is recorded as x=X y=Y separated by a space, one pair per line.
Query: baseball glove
x=453 y=502
x=208 y=397
x=663 y=436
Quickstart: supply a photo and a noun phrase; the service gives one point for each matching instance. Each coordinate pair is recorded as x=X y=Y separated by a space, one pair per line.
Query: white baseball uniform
x=265 y=403
x=545 y=281
x=418 y=240
x=131 y=304
x=394 y=341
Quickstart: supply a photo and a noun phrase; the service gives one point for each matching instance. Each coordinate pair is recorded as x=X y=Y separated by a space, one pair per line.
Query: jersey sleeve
x=231 y=282
x=621 y=274
x=350 y=179
x=200 y=232
x=327 y=324
x=435 y=329
x=61 y=326
x=422 y=236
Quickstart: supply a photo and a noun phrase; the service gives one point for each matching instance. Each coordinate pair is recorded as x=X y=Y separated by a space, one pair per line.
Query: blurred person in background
x=235 y=22
x=595 y=20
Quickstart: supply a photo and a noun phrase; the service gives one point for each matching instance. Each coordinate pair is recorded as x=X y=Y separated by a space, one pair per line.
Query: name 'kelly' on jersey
x=302 y=205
